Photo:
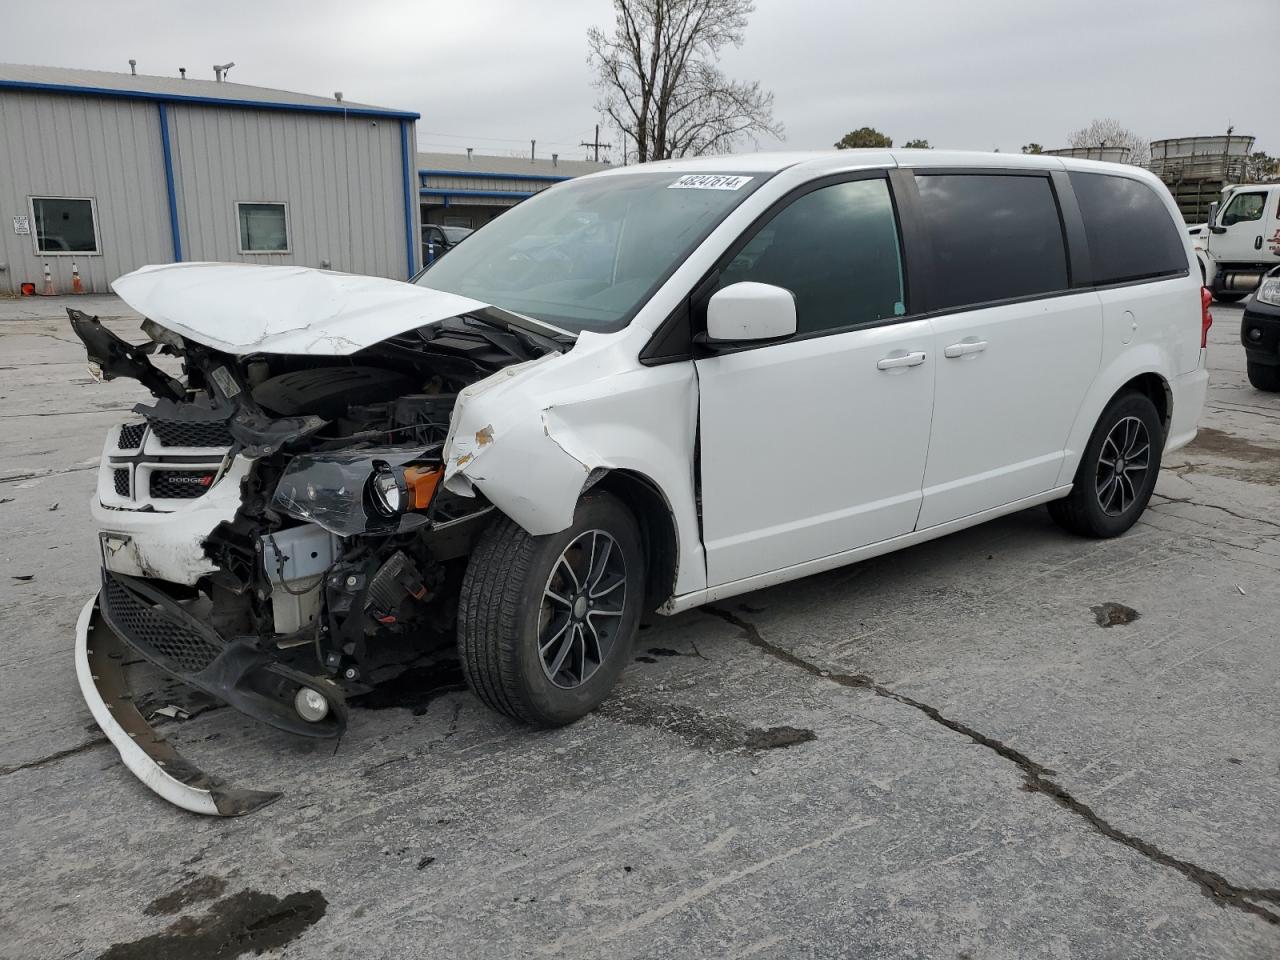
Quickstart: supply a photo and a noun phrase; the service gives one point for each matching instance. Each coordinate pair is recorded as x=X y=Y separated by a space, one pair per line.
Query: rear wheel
x=1265 y=377
x=1117 y=472
x=1229 y=297
x=546 y=624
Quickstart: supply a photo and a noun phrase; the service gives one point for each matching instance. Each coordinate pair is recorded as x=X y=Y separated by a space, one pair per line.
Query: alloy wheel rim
x=582 y=606
x=1123 y=463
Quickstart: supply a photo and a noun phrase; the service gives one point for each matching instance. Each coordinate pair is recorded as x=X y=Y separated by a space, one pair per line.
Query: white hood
x=244 y=308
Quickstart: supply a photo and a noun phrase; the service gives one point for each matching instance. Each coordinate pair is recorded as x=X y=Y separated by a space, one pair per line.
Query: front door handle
x=1257 y=243
x=892 y=362
x=964 y=348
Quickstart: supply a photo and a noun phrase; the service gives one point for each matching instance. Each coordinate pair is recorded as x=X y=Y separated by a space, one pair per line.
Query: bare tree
x=660 y=84
x=1110 y=133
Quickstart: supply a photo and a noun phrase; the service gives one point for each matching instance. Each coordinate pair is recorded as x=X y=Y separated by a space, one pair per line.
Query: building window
x=65 y=225
x=264 y=227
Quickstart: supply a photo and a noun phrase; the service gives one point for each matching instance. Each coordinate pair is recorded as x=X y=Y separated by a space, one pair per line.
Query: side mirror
x=745 y=312
x=1213 y=218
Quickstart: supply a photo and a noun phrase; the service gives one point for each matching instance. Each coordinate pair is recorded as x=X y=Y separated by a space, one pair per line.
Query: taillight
x=1206 y=318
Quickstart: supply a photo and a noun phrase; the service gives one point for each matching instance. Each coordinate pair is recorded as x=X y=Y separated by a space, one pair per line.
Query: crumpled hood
x=243 y=308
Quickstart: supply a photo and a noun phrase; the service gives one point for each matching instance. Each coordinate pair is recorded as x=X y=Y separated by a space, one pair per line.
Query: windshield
x=587 y=254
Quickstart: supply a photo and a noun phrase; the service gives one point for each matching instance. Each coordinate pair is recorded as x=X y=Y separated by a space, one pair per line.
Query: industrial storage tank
x=1109 y=154
x=1222 y=158
x=1195 y=169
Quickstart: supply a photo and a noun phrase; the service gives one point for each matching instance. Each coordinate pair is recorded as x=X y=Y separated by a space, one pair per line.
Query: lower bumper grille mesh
x=160 y=637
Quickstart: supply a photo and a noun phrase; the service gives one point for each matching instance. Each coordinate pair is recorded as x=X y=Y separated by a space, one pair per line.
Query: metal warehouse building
x=109 y=171
x=470 y=190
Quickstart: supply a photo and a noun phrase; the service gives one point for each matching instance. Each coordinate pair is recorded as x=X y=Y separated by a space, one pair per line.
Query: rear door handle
x=964 y=348
x=892 y=362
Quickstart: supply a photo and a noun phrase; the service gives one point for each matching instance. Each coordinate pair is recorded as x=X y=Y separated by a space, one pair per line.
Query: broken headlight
x=386 y=489
x=376 y=491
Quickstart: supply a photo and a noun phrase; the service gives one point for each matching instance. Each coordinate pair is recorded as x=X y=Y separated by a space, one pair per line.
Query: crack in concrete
x=1214 y=506
x=48 y=473
x=1037 y=779
x=99 y=740
x=54 y=757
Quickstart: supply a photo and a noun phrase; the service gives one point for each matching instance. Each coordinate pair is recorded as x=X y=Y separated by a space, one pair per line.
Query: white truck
x=1241 y=241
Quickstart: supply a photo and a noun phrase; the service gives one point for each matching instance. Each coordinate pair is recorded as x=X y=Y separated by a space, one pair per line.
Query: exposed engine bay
x=316 y=535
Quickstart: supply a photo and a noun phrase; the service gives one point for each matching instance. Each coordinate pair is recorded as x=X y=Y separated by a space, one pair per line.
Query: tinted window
x=1131 y=235
x=994 y=237
x=64 y=225
x=836 y=250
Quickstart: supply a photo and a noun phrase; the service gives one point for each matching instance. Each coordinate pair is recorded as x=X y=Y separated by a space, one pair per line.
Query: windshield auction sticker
x=709 y=181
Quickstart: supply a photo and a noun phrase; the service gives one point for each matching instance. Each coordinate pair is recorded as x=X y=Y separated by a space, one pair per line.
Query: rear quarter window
x=1131 y=234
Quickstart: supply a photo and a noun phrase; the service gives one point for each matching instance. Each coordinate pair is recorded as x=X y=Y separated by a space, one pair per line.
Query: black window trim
x=674 y=339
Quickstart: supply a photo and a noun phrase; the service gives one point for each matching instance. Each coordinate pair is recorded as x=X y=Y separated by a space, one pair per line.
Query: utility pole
x=597 y=144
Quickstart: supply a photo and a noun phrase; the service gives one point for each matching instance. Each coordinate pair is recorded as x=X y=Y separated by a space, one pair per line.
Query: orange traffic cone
x=48 y=290
x=76 y=285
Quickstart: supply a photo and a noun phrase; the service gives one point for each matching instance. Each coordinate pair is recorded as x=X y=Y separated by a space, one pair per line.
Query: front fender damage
x=523 y=457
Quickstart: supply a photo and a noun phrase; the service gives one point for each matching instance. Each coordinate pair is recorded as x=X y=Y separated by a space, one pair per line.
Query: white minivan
x=648 y=388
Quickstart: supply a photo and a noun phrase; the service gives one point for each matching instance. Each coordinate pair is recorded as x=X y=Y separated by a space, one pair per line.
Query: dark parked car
x=438 y=240
x=1260 y=333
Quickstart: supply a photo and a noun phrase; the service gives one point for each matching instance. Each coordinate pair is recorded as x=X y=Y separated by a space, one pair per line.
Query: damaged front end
x=274 y=528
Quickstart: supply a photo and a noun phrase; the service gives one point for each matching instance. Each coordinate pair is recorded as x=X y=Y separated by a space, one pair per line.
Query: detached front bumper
x=100 y=657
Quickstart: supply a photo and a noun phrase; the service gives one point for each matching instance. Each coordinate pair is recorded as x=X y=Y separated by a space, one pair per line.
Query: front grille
x=179 y=484
x=121 y=480
x=153 y=631
x=184 y=433
x=131 y=436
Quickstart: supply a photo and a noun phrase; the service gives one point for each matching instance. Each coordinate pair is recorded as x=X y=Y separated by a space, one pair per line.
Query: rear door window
x=994 y=237
x=1131 y=234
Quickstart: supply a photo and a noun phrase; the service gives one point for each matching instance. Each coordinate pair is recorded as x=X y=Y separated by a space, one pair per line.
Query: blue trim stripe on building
x=479 y=175
x=72 y=89
x=411 y=246
x=174 y=230
x=447 y=192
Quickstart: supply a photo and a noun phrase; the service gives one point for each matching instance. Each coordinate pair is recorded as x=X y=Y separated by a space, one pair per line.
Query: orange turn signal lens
x=420 y=483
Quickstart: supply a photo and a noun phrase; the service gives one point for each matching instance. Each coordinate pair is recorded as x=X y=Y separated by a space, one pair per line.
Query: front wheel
x=1264 y=377
x=1117 y=472
x=546 y=624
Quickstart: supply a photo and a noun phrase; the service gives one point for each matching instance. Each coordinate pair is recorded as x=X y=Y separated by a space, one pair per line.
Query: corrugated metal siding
x=342 y=179
x=496 y=181
x=60 y=146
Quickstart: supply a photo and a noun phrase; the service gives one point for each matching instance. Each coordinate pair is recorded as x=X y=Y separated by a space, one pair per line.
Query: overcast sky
x=493 y=74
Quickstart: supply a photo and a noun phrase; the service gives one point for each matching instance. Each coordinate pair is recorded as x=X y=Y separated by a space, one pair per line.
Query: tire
x=1265 y=377
x=1229 y=297
x=506 y=614
x=1099 y=505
